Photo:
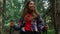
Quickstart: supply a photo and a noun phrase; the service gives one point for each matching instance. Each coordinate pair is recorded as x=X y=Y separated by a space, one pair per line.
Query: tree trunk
x=0 y=23
x=53 y=11
x=58 y=16
x=3 y=13
x=1 y=4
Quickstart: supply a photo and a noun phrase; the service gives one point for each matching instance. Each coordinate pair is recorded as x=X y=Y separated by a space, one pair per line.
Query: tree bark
x=1 y=4
x=54 y=13
x=3 y=13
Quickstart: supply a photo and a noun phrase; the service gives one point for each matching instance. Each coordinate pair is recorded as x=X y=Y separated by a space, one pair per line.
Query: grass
x=52 y=31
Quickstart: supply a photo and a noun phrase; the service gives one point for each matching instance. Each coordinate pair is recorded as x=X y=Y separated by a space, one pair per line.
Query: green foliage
x=13 y=10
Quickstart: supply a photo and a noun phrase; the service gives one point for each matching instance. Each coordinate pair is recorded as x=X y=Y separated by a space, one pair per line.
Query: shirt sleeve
x=40 y=21
x=20 y=25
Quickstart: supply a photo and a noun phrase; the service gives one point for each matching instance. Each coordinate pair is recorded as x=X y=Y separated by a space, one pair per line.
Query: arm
x=40 y=22
x=16 y=27
x=19 y=25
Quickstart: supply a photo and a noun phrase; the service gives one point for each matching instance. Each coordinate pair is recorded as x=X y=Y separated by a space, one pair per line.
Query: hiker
x=30 y=21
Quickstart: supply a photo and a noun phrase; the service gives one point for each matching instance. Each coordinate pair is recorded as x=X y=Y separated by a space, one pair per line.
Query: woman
x=30 y=22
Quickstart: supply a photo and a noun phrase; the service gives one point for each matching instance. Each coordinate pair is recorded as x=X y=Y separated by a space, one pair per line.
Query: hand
x=12 y=24
x=46 y=27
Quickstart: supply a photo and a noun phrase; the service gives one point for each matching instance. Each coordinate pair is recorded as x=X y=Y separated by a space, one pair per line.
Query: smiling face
x=30 y=8
x=31 y=5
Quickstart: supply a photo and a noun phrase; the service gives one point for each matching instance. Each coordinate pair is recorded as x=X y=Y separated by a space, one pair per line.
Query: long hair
x=24 y=12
